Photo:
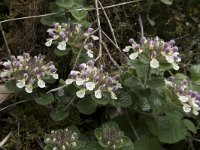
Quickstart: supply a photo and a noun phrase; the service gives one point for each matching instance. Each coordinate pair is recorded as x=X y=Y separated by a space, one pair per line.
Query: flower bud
x=90 y=63
x=13 y=58
x=132 y=41
x=90 y=45
x=137 y=47
x=185 y=82
x=143 y=39
x=73 y=74
x=26 y=55
x=82 y=66
x=167 y=50
x=90 y=30
x=194 y=93
x=175 y=49
x=171 y=42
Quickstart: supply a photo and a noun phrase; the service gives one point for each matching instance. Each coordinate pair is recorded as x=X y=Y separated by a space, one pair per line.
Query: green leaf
x=79 y=15
x=195 y=85
x=124 y=99
x=195 y=72
x=65 y=3
x=181 y=76
x=151 y=22
x=45 y=99
x=148 y=142
x=190 y=125
x=59 y=114
x=86 y=106
x=60 y=52
x=167 y=2
x=11 y=86
x=170 y=128
x=106 y=98
x=156 y=82
x=93 y=146
x=49 y=20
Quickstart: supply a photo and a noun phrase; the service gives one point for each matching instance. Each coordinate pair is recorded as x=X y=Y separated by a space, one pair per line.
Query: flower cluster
x=29 y=72
x=189 y=99
x=90 y=78
x=66 y=32
x=156 y=50
x=63 y=139
x=62 y=33
x=110 y=136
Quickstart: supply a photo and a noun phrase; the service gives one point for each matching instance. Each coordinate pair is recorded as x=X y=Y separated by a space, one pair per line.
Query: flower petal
x=183 y=98
x=29 y=88
x=62 y=45
x=20 y=83
x=133 y=56
x=170 y=59
x=127 y=49
x=90 y=86
x=90 y=53
x=186 y=108
x=69 y=81
x=98 y=94
x=80 y=93
x=55 y=76
x=49 y=42
x=41 y=83
x=154 y=63
x=79 y=81
x=175 y=66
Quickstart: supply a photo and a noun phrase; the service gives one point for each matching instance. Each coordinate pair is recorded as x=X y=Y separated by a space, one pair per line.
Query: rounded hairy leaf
x=79 y=15
x=167 y=2
x=86 y=106
x=45 y=99
x=59 y=114
x=190 y=125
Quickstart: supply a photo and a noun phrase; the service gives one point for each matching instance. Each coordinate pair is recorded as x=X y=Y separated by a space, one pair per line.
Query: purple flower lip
x=96 y=78
x=181 y=90
x=175 y=49
x=171 y=42
x=63 y=35
x=110 y=80
x=132 y=41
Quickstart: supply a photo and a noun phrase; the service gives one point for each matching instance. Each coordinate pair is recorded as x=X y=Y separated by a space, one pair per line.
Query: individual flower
x=189 y=99
x=29 y=72
x=92 y=79
x=156 y=50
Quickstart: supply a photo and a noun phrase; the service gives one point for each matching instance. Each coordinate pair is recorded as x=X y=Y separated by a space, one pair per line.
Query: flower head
x=95 y=80
x=29 y=72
